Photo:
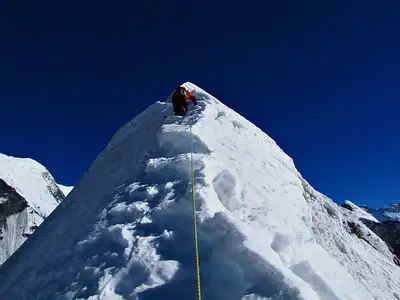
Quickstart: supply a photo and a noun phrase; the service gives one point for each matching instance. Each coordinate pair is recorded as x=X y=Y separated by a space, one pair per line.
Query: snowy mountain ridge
x=28 y=194
x=126 y=232
x=388 y=213
x=32 y=181
x=65 y=189
x=384 y=222
x=360 y=212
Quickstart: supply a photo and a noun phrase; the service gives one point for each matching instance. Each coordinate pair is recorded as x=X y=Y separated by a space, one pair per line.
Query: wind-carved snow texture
x=225 y=185
x=126 y=231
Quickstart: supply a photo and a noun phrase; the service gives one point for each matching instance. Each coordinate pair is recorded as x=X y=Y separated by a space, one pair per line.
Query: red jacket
x=177 y=97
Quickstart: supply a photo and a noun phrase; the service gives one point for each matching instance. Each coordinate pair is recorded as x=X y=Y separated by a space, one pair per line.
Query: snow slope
x=384 y=222
x=359 y=212
x=65 y=189
x=28 y=195
x=387 y=213
x=264 y=232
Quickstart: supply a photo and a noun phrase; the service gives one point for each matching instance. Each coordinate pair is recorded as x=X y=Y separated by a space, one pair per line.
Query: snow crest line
x=126 y=230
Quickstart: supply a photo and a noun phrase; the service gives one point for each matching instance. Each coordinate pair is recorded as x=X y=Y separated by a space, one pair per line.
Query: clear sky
x=321 y=79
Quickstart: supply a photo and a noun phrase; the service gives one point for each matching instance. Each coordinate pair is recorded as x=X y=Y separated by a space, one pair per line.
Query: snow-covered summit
x=28 y=194
x=65 y=189
x=32 y=181
x=126 y=232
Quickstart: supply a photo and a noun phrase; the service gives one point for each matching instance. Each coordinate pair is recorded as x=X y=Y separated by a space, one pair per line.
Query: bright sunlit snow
x=126 y=232
x=359 y=212
x=32 y=183
x=65 y=189
x=31 y=180
x=391 y=212
x=387 y=213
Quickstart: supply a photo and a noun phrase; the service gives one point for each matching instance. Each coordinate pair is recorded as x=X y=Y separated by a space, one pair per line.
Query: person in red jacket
x=180 y=100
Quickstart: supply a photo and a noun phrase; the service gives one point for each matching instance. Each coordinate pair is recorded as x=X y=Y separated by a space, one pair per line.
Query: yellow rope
x=196 y=243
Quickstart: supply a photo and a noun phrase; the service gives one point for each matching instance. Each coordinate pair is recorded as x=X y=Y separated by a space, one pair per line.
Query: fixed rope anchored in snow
x=196 y=243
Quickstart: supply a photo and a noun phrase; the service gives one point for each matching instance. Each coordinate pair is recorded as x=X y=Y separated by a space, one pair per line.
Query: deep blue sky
x=321 y=79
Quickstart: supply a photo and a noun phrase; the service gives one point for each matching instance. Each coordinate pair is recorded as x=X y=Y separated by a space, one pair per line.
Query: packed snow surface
x=126 y=232
x=65 y=189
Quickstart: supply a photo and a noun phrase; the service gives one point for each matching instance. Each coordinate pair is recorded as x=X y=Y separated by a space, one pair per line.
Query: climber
x=180 y=100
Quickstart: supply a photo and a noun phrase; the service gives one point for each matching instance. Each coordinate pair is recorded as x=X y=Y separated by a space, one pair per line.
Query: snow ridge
x=28 y=194
x=359 y=212
x=388 y=213
x=264 y=232
x=387 y=228
x=65 y=189
x=32 y=181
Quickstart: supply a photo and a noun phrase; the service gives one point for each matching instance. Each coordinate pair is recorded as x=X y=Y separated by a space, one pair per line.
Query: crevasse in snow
x=126 y=232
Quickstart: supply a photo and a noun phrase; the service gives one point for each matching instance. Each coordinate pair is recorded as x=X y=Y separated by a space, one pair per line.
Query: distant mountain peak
x=385 y=222
x=28 y=194
x=65 y=189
